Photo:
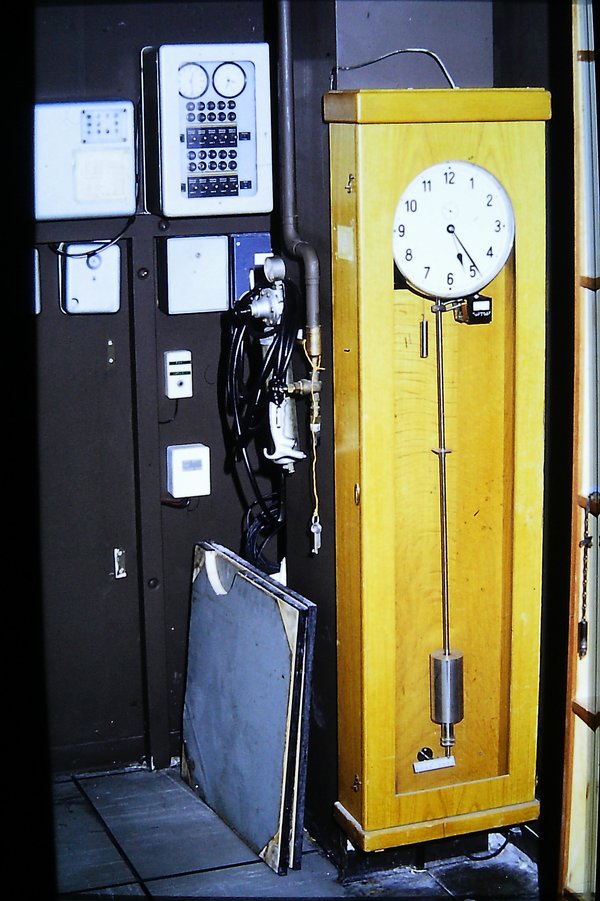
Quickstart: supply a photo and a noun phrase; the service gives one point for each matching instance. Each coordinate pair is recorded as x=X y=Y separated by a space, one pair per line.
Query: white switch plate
x=178 y=373
x=92 y=284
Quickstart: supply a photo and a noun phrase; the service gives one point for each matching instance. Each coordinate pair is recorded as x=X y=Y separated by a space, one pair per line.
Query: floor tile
x=161 y=826
x=317 y=878
x=510 y=875
x=402 y=882
x=117 y=892
x=85 y=856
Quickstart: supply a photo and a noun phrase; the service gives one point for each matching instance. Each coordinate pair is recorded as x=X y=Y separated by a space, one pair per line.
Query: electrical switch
x=178 y=373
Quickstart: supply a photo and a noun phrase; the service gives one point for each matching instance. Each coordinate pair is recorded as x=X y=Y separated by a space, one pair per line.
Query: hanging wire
x=101 y=246
x=378 y=59
x=58 y=248
x=315 y=364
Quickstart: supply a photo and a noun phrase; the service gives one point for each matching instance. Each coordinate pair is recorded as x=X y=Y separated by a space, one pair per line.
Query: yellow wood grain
x=347 y=472
x=435 y=105
x=391 y=837
x=387 y=544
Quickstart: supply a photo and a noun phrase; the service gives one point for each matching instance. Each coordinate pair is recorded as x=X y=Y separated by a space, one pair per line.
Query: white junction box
x=178 y=373
x=188 y=470
x=84 y=160
x=90 y=278
x=198 y=274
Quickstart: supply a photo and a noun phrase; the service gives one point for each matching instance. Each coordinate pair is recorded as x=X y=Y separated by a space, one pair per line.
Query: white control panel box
x=213 y=128
x=90 y=278
x=84 y=160
x=197 y=274
x=188 y=470
x=178 y=373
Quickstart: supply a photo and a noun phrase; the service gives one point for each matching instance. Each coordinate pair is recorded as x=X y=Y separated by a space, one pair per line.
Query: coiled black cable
x=259 y=357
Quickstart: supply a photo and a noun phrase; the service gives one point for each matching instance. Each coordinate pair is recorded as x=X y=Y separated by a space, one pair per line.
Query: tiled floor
x=145 y=834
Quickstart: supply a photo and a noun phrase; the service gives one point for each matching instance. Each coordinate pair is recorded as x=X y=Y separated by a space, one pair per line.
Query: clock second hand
x=451 y=230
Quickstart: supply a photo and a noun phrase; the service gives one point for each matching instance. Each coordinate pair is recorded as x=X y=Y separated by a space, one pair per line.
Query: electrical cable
x=102 y=245
x=434 y=56
x=491 y=854
x=249 y=389
x=316 y=367
x=173 y=417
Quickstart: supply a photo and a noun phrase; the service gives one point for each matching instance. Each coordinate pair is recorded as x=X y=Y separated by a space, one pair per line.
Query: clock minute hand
x=451 y=230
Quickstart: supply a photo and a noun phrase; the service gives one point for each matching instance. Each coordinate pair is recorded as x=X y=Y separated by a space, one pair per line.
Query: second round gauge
x=229 y=79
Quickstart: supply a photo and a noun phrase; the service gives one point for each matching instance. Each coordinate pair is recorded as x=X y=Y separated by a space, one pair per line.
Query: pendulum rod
x=441 y=452
x=445 y=666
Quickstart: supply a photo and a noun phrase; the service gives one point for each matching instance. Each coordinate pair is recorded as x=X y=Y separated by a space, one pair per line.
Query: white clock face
x=192 y=79
x=229 y=79
x=453 y=230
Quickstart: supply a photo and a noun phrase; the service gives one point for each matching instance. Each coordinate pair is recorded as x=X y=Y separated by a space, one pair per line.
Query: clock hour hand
x=451 y=230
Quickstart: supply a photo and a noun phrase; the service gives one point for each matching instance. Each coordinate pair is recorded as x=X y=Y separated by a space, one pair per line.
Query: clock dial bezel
x=221 y=86
x=198 y=72
x=453 y=230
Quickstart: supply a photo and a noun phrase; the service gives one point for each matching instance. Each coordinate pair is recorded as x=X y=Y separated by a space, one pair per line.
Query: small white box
x=188 y=470
x=92 y=278
x=198 y=274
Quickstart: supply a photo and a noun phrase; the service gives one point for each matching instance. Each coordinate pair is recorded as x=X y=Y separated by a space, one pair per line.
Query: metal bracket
x=119 y=563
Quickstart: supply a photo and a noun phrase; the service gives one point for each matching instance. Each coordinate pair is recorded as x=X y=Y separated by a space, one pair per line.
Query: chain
x=585 y=544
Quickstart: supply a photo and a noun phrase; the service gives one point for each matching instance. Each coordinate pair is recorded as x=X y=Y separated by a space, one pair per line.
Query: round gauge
x=453 y=230
x=229 y=79
x=192 y=80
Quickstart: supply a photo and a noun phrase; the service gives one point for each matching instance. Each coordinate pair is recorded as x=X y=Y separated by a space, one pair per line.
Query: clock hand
x=452 y=231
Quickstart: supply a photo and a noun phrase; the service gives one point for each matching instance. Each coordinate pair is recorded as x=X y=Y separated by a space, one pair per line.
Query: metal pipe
x=293 y=242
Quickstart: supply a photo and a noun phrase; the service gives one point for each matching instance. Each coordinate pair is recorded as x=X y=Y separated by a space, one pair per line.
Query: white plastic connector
x=284 y=434
x=178 y=373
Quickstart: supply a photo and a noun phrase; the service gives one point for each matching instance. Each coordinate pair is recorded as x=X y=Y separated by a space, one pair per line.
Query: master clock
x=438 y=616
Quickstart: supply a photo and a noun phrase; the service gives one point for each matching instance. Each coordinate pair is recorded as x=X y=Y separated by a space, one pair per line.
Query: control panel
x=214 y=152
